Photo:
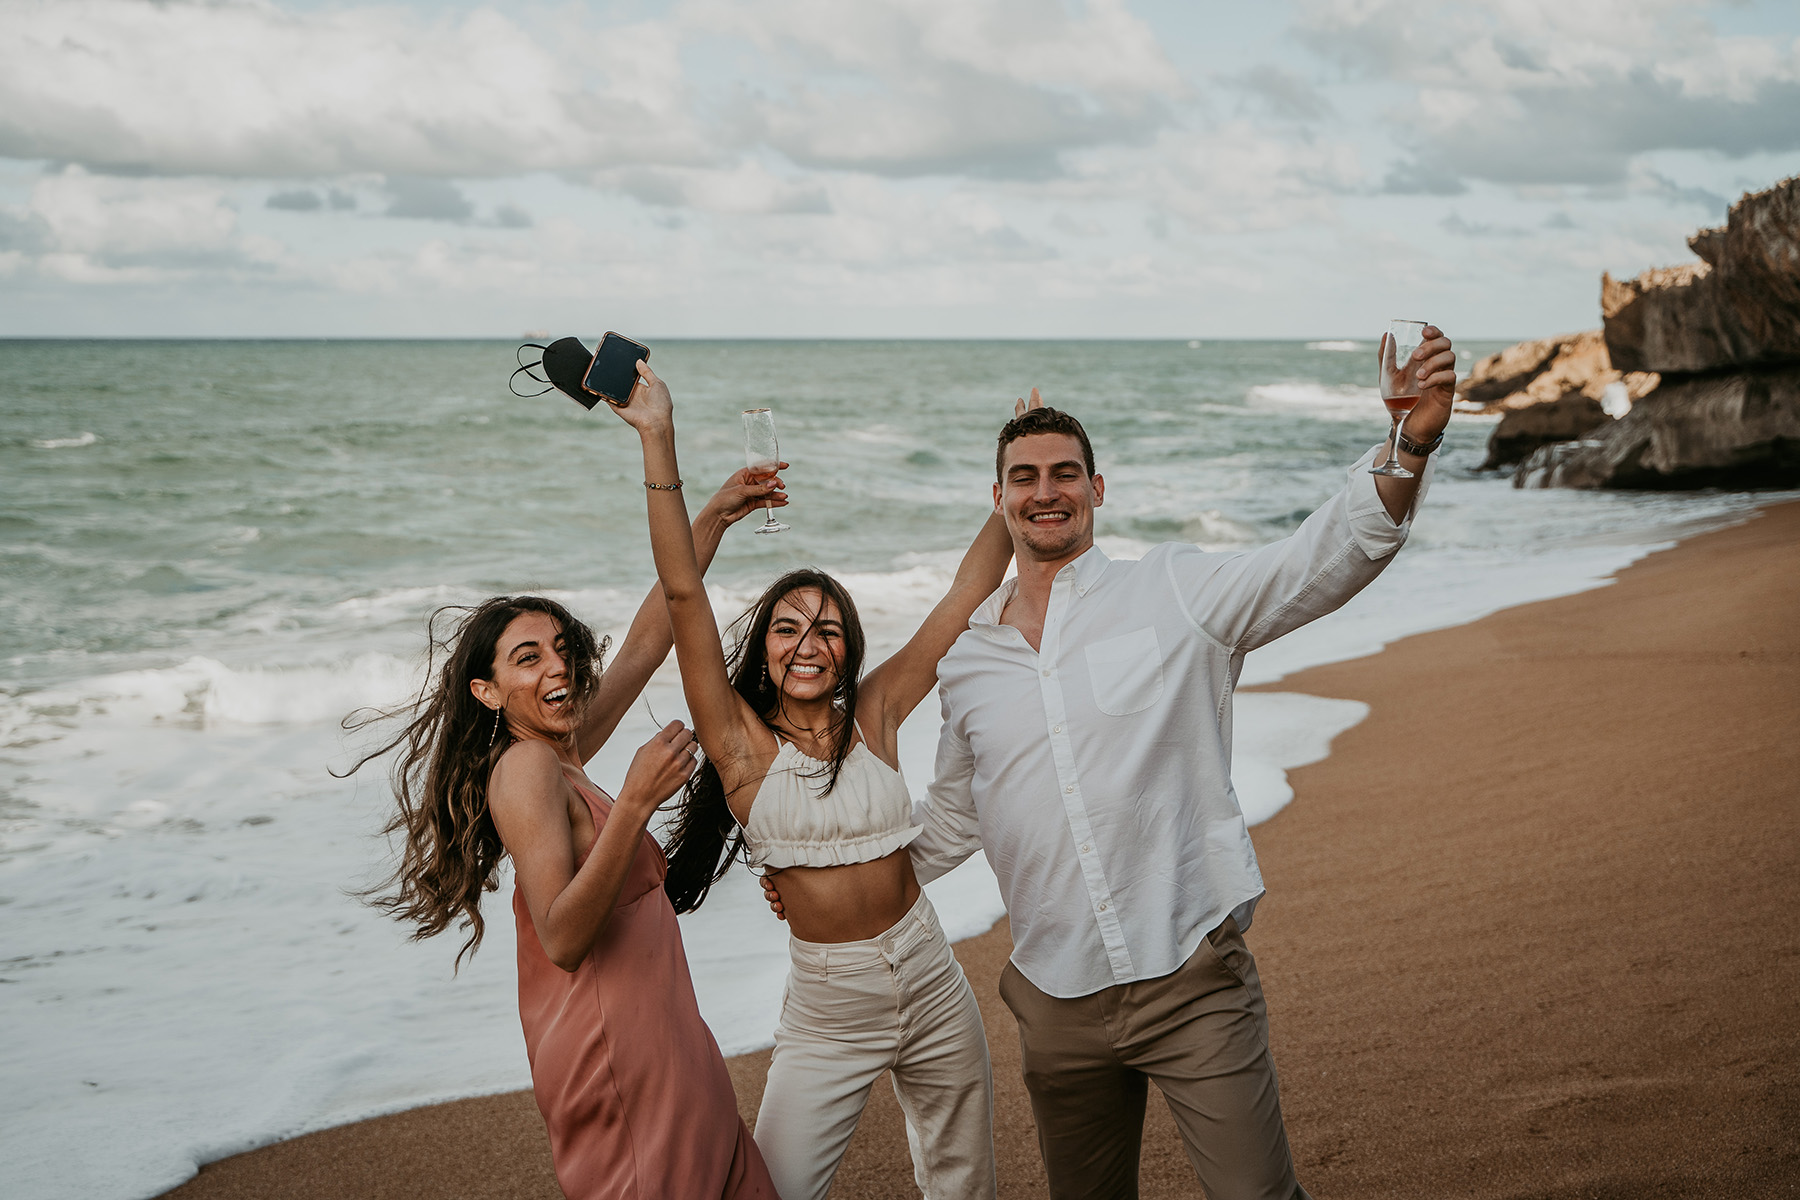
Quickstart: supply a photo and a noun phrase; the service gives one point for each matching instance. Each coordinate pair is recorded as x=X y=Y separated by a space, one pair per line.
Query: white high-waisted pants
x=899 y=1003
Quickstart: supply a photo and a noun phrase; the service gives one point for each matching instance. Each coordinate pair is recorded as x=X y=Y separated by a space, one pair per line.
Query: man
x=1087 y=747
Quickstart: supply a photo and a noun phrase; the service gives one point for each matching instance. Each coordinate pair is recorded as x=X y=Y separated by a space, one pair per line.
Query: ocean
x=213 y=551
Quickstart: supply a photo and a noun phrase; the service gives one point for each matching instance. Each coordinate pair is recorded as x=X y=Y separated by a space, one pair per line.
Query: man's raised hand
x=1433 y=364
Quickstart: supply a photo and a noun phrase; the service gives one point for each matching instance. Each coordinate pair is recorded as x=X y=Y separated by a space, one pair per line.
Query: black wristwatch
x=1419 y=448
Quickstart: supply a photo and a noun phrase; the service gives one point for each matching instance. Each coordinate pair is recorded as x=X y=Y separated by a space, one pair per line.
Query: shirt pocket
x=1125 y=672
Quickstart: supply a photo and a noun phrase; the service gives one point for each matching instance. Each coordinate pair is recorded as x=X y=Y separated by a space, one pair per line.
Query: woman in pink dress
x=634 y=1091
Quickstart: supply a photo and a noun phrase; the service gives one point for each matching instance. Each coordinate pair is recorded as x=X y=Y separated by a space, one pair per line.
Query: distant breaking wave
x=1334 y=346
x=80 y=439
x=1344 y=402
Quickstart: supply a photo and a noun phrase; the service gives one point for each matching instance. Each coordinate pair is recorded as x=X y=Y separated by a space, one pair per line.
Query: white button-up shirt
x=1096 y=770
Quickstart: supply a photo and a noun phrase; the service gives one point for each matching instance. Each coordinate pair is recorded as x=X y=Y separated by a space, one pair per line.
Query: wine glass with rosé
x=762 y=454
x=1398 y=379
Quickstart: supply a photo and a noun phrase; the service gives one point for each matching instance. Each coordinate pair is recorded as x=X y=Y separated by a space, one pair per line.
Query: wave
x=1340 y=346
x=69 y=443
x=1345 y=402
x=206 y=691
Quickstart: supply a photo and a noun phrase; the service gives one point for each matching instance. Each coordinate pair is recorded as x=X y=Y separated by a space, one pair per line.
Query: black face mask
x=563 y=362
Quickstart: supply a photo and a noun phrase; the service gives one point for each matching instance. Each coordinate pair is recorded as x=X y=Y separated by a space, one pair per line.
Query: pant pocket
x=1225 y=946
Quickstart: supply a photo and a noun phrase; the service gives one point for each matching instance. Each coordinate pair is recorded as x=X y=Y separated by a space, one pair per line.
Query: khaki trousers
x=896 y=1003
x=1201 y=1033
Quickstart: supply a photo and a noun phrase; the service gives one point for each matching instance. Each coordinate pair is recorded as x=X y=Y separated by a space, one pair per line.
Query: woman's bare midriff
x=847 y=904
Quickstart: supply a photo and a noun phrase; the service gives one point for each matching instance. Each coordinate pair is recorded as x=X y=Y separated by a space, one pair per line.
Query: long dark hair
x=450 y=850
x=704 y=838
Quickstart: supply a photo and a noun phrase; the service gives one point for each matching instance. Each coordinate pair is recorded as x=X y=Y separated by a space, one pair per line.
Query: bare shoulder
x=528 y=774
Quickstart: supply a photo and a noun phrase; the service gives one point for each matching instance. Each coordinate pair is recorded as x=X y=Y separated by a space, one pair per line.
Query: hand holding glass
x=762 y=454
x=1398 y=378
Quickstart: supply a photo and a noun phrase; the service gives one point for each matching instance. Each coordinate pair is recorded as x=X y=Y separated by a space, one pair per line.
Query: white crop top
x=867 y=816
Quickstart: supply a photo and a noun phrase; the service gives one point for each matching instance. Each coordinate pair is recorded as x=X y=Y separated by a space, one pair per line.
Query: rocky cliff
x=1718 y=343
x=1738 y=429
x=1551 y=390
x=1738 y=306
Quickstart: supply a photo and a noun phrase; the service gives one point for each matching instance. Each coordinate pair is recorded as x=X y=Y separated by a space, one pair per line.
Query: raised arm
x=728 y=729
x=1248 y=600
x=528 y=797
x=648 y=640
x=895 y=688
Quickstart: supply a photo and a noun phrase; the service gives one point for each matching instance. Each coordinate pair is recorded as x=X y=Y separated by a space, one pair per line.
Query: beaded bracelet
x=663 y=487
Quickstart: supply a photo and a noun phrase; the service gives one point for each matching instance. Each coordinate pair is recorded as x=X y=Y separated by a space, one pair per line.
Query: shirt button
x=1046 y=672
x=1086 y=848
x=1069 y=791
x=1056 y=729
x=1101 y=906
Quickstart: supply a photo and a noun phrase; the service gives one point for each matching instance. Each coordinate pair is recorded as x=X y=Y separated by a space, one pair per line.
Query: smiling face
x=805 y=645
x=530 y=679
x=1047 y=496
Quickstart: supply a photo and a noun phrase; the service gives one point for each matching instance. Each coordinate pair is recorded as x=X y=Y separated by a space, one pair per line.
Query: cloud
x=297 y=200
x=240 y=88
x=243 y=89
x=1530 y=92
x=1229 y=178
x=1657 y=184
x=1455 y=224
x=88 y=228
x=922 y=87
x=427 y=199
x=1413 y=177
x=1283 y=94
x=311 y=200
x=743 y=188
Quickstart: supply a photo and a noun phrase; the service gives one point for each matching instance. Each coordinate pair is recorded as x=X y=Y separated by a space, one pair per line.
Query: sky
x=875 y=168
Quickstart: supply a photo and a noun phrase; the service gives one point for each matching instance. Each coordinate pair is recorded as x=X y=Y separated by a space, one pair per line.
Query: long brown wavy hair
x=704 y=838
x=450 y=851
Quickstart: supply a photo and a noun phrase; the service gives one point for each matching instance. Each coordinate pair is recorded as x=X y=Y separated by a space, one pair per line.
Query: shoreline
x=1537 y=946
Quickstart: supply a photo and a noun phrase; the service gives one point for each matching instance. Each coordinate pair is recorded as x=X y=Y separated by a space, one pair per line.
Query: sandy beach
x=1530 y=930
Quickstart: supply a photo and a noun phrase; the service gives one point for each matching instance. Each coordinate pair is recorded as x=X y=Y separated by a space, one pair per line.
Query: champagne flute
x=762 y=454
x=1399 y=382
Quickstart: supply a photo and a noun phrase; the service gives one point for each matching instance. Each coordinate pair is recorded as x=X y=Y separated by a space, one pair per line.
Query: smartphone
x=613 y=373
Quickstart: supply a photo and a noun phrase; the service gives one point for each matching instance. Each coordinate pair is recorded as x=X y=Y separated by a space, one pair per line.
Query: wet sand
x=1532 y=930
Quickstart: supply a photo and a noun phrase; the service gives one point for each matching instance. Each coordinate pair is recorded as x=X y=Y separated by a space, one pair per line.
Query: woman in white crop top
x=800 y=777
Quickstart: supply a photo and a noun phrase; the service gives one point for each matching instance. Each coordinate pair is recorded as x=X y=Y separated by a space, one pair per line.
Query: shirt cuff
x=1375 y=531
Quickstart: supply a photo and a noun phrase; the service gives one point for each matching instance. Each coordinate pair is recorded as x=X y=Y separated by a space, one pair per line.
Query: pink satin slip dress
x=633 y=1089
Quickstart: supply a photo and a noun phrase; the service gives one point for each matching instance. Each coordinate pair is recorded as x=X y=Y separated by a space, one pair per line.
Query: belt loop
x=824 y=963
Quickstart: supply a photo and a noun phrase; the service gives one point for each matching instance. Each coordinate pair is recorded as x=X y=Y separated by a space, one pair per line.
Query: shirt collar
x=1085 y=570
x=1088 y=569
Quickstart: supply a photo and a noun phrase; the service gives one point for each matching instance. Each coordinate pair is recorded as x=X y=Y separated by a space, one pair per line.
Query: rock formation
x=1739 y=429
x=1737 y=307
x=1723 y=335
x=1551 y=390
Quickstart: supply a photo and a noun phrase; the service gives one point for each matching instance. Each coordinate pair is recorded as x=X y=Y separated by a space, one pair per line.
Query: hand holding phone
x=613 y=373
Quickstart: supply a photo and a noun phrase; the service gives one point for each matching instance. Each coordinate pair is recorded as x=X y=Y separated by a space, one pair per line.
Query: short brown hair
x=1041 y=420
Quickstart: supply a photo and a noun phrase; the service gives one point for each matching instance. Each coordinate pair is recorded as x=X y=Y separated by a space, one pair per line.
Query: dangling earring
x=495 y=735
x=766 y=682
